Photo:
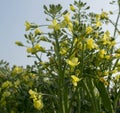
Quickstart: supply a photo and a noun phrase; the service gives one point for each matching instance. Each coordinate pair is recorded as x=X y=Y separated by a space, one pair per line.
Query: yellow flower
x=102 y=53
x=17 y=70
x=104 y=41
x=90 y=43
x=6 y=84
x=29 y=50
x=106 y=37
x=72 y=8
x=37 y=48
x=89 y=30
x=75 y=80
x=27 y=25
x=104 y=15
x=98 y=24
x=63 y=51
x=37 y=32
x=113 y=43
x=67 y=18
x=104 y=81
x=73 y=62
x=54 y=25
x=33 y=94
x=38 y=104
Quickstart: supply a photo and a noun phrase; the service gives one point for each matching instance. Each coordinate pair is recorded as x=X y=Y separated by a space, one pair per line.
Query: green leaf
x=104 y=96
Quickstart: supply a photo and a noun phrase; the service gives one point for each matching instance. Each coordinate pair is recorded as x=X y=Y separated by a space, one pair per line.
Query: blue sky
x=14 y=13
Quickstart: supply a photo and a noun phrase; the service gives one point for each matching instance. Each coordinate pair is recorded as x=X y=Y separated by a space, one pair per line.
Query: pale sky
x=14 y=13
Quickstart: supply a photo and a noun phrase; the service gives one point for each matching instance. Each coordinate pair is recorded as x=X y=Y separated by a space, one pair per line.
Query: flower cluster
x=37 y=99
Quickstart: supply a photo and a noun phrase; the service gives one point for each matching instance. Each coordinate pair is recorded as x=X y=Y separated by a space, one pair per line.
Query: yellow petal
x=76 y=79
x=27 y=25
x=89 y=30
x=73 y=62
x=72 y=8
x=38 y=104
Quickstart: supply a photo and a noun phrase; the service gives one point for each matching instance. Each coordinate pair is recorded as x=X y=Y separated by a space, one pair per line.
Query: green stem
x=60 y=76
x=85 y=85
x=36 y=53
x=38 y=57
x=117 y=20
x=79 y=102
x=93 y=97
x=114 y=35
x=115 y=64
x=73 y=94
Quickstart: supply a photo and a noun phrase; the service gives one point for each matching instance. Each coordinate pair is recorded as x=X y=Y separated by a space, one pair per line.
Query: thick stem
x=60 y=77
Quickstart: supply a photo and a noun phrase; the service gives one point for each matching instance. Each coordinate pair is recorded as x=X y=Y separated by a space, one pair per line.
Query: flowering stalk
x=76 y=76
